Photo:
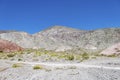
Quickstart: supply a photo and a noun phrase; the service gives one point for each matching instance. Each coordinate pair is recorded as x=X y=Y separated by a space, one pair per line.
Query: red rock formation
x=8 y=46
x=112 y=50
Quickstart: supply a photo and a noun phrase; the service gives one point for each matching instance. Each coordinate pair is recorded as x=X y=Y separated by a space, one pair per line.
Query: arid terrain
x=60 y=53
x=95 y=69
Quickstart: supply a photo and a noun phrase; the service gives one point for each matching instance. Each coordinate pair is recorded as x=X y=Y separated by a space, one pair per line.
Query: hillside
x=7 y=46
x=61 y=38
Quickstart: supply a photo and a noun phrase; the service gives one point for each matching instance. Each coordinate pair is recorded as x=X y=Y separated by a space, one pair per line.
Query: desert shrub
x=16 y=65
x=72 y=67
x=70 y=57
x=38 y=53
x=19 y=59
x=1 y=51
x=10 y=55
x=93 y=57
x=61 y=56
x=3 y=56
x=48 y=58
x=113 y=55
x=48 y=70
x=53 y=54
x=78 y=57
x=37 y=67
x=85 y=56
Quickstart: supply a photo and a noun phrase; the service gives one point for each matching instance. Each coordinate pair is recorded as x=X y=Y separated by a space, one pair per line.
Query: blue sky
x=36 y=15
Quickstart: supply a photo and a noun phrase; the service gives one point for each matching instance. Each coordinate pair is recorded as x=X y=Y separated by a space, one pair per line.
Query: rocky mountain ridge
x=60 y=38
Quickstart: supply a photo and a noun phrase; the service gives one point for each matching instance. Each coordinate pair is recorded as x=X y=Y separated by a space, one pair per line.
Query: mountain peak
x=58 y=27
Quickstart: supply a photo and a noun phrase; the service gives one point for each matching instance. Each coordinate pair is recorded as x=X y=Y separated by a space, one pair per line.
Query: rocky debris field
x=94 y=69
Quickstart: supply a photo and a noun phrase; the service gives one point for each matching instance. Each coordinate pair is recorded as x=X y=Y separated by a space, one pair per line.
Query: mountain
x=23 y=39
x=61 y=38
x=58 y=37
x=4 y=31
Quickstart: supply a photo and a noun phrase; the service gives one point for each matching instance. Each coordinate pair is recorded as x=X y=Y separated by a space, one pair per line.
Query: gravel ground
x=26 y=72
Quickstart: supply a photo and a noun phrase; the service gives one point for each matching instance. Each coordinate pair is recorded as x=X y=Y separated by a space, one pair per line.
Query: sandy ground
x=95 y=69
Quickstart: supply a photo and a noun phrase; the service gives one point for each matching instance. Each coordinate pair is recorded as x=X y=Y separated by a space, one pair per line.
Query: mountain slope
x=7 y=46
x=66 y=37
x=63 y=38
x=23 y=39
x=102 y=38
x=113 y=50
x=56 y=37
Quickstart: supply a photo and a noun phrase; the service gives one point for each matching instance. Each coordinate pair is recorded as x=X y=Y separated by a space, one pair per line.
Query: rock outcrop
x=8 y=46
x=113 y=50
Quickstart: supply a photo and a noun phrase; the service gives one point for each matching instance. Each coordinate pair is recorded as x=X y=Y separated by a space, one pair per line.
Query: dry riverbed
x=102 y=68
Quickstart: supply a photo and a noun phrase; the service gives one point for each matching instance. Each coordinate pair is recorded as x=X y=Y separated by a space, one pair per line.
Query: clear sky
x=36 y=15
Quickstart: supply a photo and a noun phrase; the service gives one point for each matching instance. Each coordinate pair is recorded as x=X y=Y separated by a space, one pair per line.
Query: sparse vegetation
x=10 y=55
x=110 y=55
x=37 y=67
x=49 y=55
x=16 y=65
x=53 y=54
x=38 y=53
x=48 y=70
x=93 y=57
x=70 y=57
x=19 y=59
x=85 y=56
x=72 y=67
x=113 y=55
